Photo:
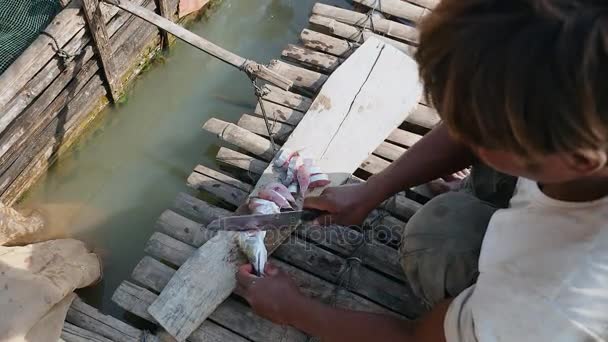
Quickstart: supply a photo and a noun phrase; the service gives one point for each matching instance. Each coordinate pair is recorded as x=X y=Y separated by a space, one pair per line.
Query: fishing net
x=21 y=21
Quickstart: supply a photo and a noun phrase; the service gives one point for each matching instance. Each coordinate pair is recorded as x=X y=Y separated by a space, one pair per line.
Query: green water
x=113 y=185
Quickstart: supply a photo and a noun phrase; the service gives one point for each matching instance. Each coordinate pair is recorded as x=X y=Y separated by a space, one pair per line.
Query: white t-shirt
x=543 y=274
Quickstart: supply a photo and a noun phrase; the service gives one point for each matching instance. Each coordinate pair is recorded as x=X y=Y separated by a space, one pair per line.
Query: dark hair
x=527 y=76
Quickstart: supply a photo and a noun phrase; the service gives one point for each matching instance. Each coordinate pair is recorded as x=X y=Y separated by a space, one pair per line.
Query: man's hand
x=274 y=296
x=346 y=205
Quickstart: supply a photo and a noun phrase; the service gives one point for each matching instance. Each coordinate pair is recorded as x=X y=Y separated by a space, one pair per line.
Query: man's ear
x=586 y=162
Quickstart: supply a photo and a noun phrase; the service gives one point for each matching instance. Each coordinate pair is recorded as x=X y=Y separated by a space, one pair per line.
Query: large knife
x=265 y=222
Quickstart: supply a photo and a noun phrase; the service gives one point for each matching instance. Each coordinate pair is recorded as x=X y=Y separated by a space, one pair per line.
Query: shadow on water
x=114 y=184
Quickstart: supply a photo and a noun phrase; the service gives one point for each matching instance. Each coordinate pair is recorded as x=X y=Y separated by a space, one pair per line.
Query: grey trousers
x=441 y=242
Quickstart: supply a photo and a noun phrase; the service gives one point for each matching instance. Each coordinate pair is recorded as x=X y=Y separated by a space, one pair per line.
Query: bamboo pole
x=200 y=43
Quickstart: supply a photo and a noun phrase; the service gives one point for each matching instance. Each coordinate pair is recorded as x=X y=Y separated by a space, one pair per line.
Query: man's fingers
x=245 y=276
x=319 y=202
x=323 y=220
x=271 y=270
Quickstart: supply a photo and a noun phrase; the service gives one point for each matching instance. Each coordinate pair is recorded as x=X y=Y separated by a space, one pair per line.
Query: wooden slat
x=279 y=113
x=325 y=43
x=403 y=138
x=164 y=9
x=205 y=182
x=286 y=98
x=397 y=8
x=168 y=249
x=72 y=333
x=257 y=125
x=184 y=229
x=383 y=26
x=387 y=229
x=307 y=80
x=424 y=117
x=241 y=161
x=374 y=164
x=363 y=281
x=136 y=300
x=223 y=178
x=389 y=151
x=241 y=138
x=89 y=318
x=97 y=29
x=197 y=209
x=402 y=207
x=366 y=84
x=356 y=35
x=311 y=59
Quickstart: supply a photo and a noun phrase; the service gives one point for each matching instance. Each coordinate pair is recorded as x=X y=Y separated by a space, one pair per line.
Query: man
x=521 y=87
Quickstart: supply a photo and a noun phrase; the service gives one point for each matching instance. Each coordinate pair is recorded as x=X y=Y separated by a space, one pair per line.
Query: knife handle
x=312 y=214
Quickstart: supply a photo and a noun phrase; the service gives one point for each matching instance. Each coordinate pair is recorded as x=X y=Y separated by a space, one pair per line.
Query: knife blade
x=265 y=222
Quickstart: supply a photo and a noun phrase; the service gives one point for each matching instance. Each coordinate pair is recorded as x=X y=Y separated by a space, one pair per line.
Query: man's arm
x=437 y=154
x=334 y=325
x=277 y=298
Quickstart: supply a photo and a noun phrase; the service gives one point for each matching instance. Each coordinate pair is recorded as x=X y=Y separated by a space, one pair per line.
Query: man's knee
x=441 y=243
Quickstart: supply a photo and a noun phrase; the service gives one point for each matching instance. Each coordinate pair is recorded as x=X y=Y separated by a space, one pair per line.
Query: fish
x=315 y=170
x=319 y=180
x=283 y=157
x=293 y=188
x=294 y=164
x=263 y=207
x=304 y=178
x=282 y=190
x=252 y=245
x=277 y=198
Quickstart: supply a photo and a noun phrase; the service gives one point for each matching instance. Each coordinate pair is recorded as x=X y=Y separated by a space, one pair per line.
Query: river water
x=112 y=186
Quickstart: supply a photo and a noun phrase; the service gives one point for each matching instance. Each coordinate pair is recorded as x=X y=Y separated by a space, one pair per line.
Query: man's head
x=523 y=82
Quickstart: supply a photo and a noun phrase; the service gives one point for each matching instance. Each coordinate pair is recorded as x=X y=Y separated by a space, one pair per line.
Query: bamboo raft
x=362 y=273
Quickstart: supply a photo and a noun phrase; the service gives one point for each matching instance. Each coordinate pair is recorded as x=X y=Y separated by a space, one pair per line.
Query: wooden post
x=97 y=28
x=164 y=10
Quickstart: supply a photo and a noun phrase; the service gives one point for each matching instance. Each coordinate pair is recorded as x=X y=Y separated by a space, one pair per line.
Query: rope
x=65 y=56
x=260 y=93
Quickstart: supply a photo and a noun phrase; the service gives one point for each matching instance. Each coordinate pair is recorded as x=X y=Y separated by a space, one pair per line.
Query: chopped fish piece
x=277 y=198
x=319 y=180
x=252 y=245
x=294 y=164
x=282 y=190
x=263 y=207
x=293 y=188
x=303 y=178
x=283 y=157
x=315 y=170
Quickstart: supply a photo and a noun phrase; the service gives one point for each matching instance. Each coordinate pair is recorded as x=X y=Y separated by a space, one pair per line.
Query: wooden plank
x=136 y=300
x=63 y=27
x=73 y=333
x=241 y=161
x=240 y=137
x=257 y=125
x=397 y=8
x=89 y=318
x=374 y=164
x=401 y=206
x=183 y=229
x=198 y=210
x=168 y=249
x=367 y=283
x=223 y=178
x=198 y=42
x=307 y=80
x=237 y=316
x=403 y=138
x=325 y=43
x=424 y=117
x=279 y=113
x=286 y=98
x=388 y=151
x=379 y=25
x=377 y=78
x=311 y=59
x=97 y=29
x=165 y=11
x=357 y=35
x=203 y=182
x=155 y=275
x=387 y=229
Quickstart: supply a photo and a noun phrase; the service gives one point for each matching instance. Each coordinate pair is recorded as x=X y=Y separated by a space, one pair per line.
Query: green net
x=21 y=21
